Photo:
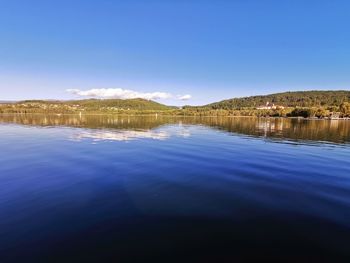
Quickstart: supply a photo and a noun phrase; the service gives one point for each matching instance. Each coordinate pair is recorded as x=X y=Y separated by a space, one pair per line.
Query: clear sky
x=210 y=50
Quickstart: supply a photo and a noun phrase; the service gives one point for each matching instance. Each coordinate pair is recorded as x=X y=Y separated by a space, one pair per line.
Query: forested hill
x=288 y=99
x=98 y=104
x=135 y=104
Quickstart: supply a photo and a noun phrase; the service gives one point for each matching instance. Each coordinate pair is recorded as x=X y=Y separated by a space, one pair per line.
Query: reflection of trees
x=294 y=129
x=85 y=121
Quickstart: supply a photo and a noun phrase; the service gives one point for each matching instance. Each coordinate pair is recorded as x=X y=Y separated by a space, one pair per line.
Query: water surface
x=126 y=189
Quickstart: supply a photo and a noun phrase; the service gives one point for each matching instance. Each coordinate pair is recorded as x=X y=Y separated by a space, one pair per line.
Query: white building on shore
x=270 y=106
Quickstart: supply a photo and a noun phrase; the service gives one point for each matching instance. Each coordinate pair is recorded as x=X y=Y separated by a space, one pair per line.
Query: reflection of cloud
x=184 y=133
x=121 y=135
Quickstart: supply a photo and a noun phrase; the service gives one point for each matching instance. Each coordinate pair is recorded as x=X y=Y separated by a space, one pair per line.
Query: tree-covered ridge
x=309 y=104
x=92 y=104
x=135 y=104
x=314 y=98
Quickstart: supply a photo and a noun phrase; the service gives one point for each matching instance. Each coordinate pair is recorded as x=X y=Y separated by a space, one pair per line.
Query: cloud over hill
x=119 y=93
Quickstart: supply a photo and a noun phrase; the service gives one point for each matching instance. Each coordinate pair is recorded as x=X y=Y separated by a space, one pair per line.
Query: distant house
x=270 y=106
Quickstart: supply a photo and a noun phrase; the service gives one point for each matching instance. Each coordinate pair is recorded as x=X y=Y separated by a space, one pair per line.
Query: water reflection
x=123 y=135
x=184 y=191
x=336 y=131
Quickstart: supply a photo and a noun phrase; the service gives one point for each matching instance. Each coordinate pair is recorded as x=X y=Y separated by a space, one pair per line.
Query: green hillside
x=134 y=104
x=98 y=104
x=288 y=99
x=321 y=104
x=130 y=106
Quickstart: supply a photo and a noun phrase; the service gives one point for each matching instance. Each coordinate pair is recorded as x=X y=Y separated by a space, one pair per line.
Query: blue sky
x=210 y=50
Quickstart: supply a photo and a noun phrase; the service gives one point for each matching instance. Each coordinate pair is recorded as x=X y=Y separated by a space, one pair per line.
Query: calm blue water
x=173 y=190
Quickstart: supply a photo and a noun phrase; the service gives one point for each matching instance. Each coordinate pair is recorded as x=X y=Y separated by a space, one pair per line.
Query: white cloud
x=184 y=97
x=120 y=94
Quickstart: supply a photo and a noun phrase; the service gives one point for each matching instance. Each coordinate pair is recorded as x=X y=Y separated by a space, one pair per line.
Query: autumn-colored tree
x=345 y=108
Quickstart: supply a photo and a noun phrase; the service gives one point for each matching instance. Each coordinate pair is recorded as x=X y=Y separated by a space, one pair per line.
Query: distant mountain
x=6 y=102
x=96 y=104
x=315 y=98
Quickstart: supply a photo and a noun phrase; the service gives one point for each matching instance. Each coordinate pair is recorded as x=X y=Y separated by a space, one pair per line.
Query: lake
x=173 y=189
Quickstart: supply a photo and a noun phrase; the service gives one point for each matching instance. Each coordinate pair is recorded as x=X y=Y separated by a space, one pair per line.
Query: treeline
x=341 y=111
x=96 y=104
x=316 y=104
x=133 y=104
x=90 y=105
x=286 y=99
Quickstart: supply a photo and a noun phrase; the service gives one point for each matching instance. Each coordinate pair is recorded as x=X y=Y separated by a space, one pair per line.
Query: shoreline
x=174 y=116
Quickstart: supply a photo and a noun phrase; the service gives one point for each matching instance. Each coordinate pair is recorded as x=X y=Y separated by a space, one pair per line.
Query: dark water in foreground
x=147 y=189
